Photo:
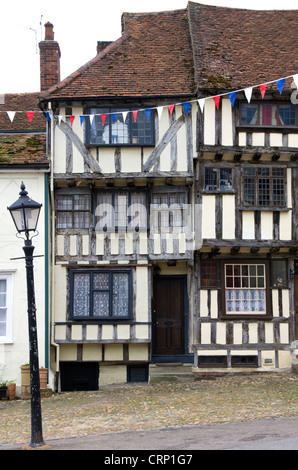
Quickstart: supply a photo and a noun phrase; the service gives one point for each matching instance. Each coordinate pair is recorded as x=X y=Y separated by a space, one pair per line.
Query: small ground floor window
x=79 y=376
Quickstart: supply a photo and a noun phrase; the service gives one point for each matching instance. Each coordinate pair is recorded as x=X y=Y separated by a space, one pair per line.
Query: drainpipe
x=56 y=346
x=46 y=224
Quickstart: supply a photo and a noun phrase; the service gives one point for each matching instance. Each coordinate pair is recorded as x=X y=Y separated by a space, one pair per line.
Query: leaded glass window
x=168 y=211
x=264 y=186
x=101 y=294
x=73 y=211
x=121 y=210
x=116 y=126
x=218 y=179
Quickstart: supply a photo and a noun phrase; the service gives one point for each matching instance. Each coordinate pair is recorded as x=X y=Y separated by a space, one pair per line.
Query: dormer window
x=268 y=114
x=115 y=126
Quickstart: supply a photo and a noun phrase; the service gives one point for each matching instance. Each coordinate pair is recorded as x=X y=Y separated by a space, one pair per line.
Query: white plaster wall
x=16 y=353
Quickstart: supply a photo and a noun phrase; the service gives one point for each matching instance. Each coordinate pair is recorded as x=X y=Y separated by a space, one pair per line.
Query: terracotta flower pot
x=11 y=391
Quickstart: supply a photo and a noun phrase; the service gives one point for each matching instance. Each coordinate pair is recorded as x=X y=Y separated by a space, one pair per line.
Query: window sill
x=6 y=341
x=265 y=209
x=118 y=145
x=219 y=191
x=278 y=129
x=247 y=317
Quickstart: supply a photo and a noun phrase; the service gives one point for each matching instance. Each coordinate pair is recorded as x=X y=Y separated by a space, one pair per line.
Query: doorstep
x=170 y=372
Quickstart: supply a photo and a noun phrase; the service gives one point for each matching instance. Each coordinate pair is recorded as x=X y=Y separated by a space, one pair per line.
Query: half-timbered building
x=245 y=178
x=174 y=226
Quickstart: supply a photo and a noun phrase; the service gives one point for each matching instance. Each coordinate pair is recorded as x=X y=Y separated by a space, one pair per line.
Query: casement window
x=209 y=275
x=5 y=308
x=218 y=179
x=279 y=273
x=73 y=211
x=115 y=126
x=121 y=210
x=264 y=186
x=169 y=211
x=101 y=294
x=246 y=289
x=268 y=114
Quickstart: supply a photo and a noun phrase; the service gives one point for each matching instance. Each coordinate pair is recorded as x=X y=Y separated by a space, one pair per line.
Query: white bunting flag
x=248 y=93
x=91 y=118
x=11 y=115
x=59 y=119
x=295 y=78
x=124 y=114
x=202 y=104
x=159 y=111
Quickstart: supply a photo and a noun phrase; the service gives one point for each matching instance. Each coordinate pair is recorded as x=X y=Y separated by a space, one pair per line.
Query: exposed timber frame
x=76 y=141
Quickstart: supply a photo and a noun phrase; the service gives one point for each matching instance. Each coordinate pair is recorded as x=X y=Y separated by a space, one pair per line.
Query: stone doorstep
x=170 y=371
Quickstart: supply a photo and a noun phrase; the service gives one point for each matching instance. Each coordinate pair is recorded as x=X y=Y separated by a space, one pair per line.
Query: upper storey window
x=268 y=114
x=114 y=126
x=218 y=179
x=264 y=187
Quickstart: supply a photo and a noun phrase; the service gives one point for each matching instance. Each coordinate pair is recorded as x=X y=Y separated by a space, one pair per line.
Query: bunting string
x=280 y=83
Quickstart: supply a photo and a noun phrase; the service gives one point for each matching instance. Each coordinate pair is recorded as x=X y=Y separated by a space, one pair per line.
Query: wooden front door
x=168 y=316
x=296 y=305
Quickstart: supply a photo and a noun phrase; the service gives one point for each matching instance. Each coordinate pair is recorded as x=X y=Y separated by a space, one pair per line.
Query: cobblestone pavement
x=133 y=407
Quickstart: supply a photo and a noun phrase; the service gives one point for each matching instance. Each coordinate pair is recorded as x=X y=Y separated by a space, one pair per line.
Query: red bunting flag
x=30 y=115
x=171 y=107
x=103 y=118
x=216 y=100
x=72 y=118
x=135 y=113
x=263 y=89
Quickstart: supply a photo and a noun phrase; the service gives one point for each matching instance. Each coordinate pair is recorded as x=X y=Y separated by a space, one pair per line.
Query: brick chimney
x=49 y=59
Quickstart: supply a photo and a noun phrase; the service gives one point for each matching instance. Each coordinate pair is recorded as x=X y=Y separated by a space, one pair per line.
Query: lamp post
x=25 y=213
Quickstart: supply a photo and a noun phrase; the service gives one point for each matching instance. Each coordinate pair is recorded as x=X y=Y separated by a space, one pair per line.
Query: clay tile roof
x=237 y=48
x=22 y=142
x=21 y=102
x=181 y=52
x=153 y=57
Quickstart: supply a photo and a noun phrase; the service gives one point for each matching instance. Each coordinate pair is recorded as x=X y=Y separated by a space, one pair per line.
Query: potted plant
x=3 y=389
x=11 y=388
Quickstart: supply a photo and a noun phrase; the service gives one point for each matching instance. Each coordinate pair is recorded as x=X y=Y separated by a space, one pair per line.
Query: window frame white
x=246 y=314
x=8 y=277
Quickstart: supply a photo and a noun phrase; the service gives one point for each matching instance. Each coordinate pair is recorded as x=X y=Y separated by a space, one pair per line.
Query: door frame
x=185 y=357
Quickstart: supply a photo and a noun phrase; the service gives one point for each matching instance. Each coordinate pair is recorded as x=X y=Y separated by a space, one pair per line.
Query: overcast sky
x=78 y=25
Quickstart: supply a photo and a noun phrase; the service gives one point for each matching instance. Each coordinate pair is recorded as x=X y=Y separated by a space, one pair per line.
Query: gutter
x=16 y=167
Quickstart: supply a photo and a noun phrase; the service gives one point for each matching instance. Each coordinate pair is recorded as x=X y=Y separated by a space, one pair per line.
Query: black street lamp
x=25 y=213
